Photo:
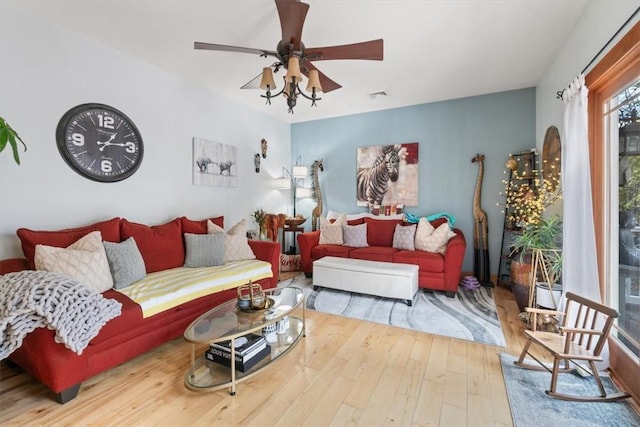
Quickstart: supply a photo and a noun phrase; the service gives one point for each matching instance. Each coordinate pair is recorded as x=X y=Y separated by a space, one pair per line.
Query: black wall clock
x=99 y=142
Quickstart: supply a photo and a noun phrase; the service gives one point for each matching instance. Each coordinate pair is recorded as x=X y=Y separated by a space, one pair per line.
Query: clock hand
x=107 y=142
x=117 y=144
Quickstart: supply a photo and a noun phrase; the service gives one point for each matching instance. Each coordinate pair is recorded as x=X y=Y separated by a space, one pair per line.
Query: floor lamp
x=291 y=181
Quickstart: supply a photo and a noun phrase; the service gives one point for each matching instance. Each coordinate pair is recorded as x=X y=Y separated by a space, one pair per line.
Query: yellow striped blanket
x=165 y=289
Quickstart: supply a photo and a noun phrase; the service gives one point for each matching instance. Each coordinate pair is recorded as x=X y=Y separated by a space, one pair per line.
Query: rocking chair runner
x=583 y=340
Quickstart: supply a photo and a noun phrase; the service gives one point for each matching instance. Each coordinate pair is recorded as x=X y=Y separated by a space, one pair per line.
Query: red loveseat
x=129 y=334
x=436 y=271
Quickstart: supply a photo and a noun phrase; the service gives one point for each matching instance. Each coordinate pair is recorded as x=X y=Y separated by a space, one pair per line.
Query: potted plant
x=259 y=216
x=11 y=137
x=539 y=244
x=528 y=194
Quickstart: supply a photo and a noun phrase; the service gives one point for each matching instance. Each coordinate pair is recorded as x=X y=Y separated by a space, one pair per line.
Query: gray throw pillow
x=204 y=250
x=355 y=235
x=125 y=262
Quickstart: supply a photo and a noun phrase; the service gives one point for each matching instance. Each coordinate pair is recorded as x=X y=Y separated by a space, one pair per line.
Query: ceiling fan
x=296 y=58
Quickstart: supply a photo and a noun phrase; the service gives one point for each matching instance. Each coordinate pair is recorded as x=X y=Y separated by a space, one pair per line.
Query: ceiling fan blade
x=327 y=84
x=292 y=14
x=371 y=50
x=225 y=48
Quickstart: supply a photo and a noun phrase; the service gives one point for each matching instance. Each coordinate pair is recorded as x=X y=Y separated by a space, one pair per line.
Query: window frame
x=605 y=80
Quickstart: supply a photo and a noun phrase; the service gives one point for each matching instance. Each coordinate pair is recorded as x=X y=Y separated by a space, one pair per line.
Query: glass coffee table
x=226 y=322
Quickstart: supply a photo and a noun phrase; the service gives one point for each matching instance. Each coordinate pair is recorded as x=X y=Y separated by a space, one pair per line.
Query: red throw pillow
x=161 y=246
x=110 y=230
x=199 y=227
x=380 y=231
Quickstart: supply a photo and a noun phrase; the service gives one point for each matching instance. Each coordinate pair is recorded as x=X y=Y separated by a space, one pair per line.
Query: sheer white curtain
x=580 y=270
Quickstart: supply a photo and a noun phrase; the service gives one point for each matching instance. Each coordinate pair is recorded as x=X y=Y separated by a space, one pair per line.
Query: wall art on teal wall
x=214 y=163
x=387 y=175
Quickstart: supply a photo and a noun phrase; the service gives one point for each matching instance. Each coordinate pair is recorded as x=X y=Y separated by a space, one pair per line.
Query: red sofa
x=129 y=334
x=436 y=271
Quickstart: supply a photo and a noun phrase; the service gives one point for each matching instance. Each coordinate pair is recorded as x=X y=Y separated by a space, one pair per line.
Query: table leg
x=304 y=318
x=233 y=368
x=283 y=241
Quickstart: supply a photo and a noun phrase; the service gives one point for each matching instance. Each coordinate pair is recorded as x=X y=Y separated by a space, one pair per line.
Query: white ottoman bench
x=384 y=279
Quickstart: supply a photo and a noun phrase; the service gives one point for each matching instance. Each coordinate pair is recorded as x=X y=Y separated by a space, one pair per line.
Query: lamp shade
x=287 y=87
x=267 y=79
x=300 y=171
x=314 y=81
x=282 y=183
x=293 y=69
x=303 y=193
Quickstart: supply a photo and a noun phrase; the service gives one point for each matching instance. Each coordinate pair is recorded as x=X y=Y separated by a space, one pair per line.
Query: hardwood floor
x=345 y=372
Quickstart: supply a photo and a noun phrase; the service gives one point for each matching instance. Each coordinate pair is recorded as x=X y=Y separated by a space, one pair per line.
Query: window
x=621 y=116
x=614 y=154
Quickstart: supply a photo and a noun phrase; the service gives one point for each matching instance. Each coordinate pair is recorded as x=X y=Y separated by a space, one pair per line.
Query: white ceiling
x=433 y=50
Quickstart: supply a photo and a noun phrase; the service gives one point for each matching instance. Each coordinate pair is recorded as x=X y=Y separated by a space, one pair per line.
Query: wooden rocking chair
x=584 y=340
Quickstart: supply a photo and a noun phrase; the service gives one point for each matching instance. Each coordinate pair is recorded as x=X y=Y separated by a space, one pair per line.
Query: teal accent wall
x=450 y=133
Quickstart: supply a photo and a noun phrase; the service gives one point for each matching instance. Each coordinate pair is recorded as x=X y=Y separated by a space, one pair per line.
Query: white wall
x=45 y=70
x=599 y=22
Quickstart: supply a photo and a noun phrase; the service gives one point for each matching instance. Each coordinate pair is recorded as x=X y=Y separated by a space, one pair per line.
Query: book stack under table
x=249 y=350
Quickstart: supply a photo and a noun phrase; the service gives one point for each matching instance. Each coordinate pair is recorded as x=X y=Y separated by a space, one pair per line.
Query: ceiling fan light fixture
x=293 y=70
x=267 y=82
x=314 y=82
x=290 y=51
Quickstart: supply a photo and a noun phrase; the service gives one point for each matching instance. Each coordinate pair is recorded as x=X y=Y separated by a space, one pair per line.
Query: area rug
x=530 y=406
x=470 y=316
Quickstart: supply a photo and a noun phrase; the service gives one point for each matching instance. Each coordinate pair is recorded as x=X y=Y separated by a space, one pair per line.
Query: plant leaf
x=4 y=137
x=18 y=137
x=14 y=148
x=10 y=136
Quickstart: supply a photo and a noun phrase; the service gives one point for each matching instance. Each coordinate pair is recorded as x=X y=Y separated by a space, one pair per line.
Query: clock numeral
x=130 y=147
x=105 y=166
x=77 y=139
x=106 y=122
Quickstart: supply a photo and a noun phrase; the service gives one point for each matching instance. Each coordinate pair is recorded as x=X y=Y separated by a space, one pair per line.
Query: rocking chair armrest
x=580 y=331
x=543 y=311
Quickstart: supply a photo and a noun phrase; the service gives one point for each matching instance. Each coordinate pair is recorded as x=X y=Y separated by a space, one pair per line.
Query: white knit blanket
x=32 y=299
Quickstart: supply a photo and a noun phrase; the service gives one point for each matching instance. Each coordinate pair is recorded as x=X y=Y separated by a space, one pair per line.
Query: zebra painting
x=373 y=182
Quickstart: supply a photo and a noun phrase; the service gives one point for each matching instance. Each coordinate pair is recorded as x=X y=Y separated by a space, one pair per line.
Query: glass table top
x=226 y=321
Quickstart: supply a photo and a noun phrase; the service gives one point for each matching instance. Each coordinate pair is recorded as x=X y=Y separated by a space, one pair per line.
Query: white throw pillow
x=331 y=234
x=404 y=237
x=355 y=235
x=85 y=260
x=236 y=247
x=430 y=239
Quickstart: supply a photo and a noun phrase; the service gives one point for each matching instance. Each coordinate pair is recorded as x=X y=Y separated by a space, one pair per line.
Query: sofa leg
x=409 y=302
x=67 y=395
x=450 y=294
x=308 y=275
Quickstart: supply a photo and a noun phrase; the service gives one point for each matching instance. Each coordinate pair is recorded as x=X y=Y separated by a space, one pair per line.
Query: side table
x=292 y=249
